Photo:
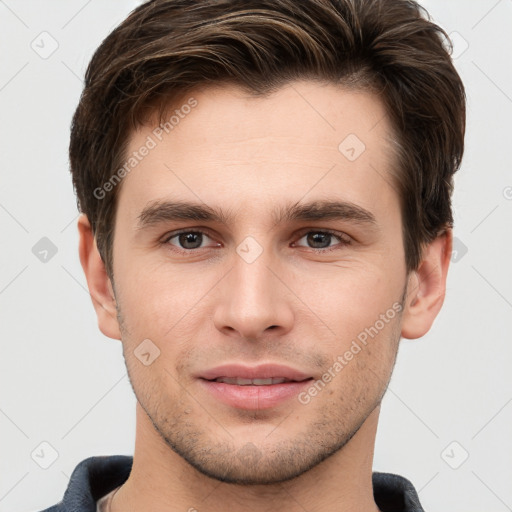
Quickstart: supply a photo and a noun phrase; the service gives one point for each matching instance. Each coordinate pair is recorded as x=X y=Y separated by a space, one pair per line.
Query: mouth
x=256 y=393
x=240 y=381
x=263 y=386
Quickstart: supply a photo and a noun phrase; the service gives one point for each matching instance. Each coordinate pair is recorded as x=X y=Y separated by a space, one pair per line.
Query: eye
x=321 y=240
x=187 y=240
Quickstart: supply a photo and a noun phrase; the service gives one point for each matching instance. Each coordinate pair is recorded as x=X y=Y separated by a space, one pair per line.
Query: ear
x=426 y=287
x=100 y=287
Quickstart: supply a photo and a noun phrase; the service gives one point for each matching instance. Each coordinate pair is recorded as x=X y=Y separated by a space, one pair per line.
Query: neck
x=162 y=481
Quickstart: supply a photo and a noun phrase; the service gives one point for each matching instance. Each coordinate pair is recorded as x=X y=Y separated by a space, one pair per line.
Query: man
x=265 y=194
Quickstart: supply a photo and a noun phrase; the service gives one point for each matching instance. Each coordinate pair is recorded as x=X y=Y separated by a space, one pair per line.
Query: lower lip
x=254 y=397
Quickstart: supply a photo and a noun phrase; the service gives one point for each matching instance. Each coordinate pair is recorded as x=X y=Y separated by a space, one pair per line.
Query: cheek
x=351 y=298
x=165 y=306
x=365 y=356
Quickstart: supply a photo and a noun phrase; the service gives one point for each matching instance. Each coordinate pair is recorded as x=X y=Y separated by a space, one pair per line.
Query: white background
x=64 y=383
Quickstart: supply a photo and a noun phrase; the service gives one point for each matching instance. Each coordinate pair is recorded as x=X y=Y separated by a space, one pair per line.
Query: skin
x=208 y=306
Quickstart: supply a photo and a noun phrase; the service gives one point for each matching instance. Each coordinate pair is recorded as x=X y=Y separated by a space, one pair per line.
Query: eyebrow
x=157 y=212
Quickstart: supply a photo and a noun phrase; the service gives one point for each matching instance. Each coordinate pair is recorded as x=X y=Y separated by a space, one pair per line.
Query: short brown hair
x=168 y=47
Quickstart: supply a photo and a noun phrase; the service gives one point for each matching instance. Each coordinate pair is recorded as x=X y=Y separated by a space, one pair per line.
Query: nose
x=253 y=301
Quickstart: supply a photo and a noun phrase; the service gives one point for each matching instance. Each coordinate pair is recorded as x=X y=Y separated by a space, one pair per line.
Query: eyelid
x=167 y=237
x=339 y=234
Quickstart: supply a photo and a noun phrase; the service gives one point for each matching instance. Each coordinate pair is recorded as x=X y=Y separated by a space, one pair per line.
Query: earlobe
x=98 y=282
x=426 y=287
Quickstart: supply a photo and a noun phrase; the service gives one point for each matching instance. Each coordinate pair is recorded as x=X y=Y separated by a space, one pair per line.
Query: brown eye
x=190 y=240
x=187 y=240
x=319 y=240
x=322 y=240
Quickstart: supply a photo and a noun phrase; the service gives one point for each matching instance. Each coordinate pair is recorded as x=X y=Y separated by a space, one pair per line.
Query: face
x=296 y=259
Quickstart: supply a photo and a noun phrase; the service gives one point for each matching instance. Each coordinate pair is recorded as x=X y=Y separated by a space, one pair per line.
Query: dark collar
x=95 y=477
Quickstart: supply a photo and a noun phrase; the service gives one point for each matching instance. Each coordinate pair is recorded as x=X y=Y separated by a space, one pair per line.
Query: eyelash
x=340 y=236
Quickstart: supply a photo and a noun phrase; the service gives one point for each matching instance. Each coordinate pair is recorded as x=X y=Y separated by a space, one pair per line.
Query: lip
x=253 y=397
x=262 y=371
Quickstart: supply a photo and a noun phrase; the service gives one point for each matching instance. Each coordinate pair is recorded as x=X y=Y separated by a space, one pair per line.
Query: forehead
x=318 y=114
x=221 y=145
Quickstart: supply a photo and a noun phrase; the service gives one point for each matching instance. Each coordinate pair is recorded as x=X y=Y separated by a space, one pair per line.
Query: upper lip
x=263 y=371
